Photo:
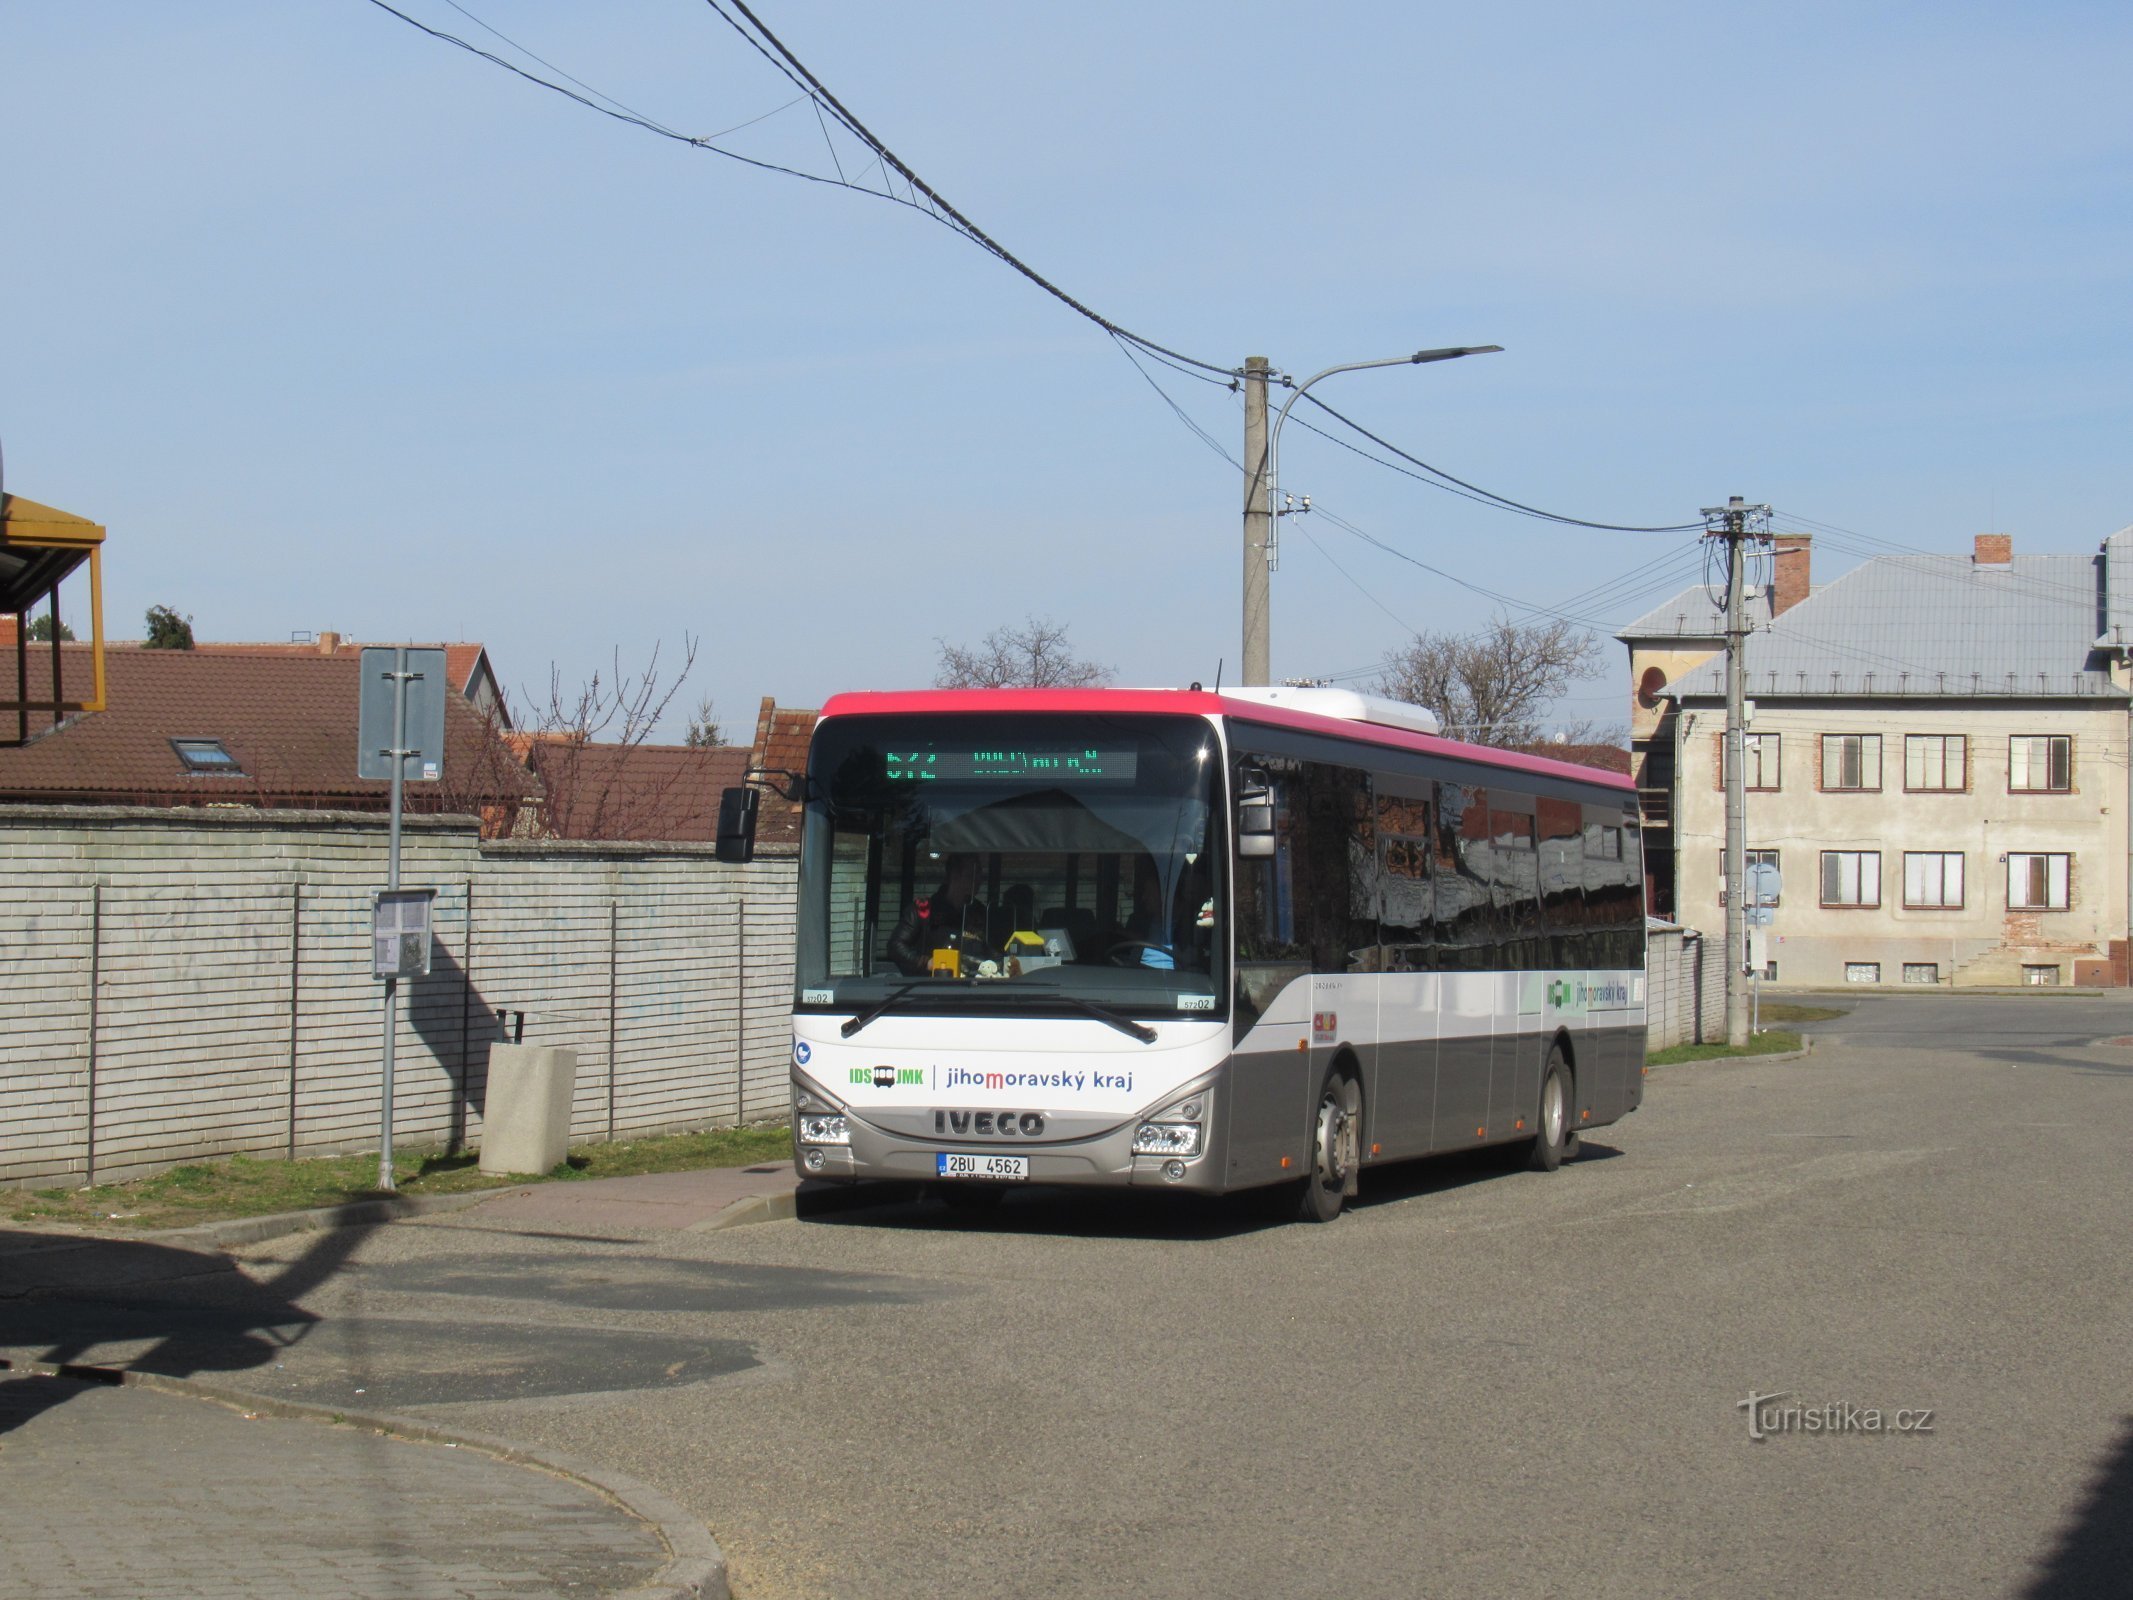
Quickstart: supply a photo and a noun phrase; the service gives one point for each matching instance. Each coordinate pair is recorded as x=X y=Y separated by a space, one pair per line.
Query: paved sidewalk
x=127 y=1491
x=659 y=1200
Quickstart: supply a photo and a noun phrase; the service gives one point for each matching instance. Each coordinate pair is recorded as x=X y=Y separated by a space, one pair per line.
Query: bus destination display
x=999 y=765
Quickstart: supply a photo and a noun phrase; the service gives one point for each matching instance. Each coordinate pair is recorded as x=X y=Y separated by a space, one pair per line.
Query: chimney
x=1789 y=585
x=1993 y=550
x=328 y=643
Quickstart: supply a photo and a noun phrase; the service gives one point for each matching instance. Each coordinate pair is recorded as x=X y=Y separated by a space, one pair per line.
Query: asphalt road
x=1476 y=1383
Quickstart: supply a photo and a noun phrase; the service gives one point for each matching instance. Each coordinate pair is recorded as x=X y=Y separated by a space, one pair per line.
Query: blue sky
x=338 y=327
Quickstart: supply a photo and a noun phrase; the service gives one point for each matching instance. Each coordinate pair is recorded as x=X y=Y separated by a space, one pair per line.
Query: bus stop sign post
x=1764 y=884
x=393 y=934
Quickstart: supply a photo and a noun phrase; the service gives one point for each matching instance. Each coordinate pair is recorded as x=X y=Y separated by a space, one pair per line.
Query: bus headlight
x=1167 y=1139
x=824 y=1128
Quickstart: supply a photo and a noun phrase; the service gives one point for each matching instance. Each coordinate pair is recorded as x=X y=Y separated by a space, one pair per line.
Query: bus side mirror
x=1255 y=820
x=736 y=824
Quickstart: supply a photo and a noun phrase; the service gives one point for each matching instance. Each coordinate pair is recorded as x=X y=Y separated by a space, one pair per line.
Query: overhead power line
x=923 y=197
x=1490 y=495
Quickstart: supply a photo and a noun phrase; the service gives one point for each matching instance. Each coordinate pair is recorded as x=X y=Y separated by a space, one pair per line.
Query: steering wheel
x=1132 y=947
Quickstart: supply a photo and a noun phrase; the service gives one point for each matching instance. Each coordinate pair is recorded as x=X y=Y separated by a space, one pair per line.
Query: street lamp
x=1256 y=642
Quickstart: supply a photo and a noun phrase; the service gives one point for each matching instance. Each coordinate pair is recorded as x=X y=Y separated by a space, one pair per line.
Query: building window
x=1921 y=972
x=2040 y=763
x=1756 y=858
x=1762 y=761
x=207 y=757
x=1862 y=972
x=1851 y=760
x=1935 y=763
x=2039 y=882
x=2040 y=975
x=1933 y=880
x=1851 y=878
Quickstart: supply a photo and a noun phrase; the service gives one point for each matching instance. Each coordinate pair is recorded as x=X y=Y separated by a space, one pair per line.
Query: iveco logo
x=997 y=1124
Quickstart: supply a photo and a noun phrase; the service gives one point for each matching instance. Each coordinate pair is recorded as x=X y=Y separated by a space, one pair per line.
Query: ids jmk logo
x=890 y=1077
x=1559 y=993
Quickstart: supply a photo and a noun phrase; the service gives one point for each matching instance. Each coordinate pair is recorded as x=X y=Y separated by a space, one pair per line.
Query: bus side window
x=1465 y=906
x=1407 y=940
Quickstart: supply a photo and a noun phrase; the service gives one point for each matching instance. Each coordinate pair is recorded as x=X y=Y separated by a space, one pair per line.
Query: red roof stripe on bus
x=1204 y=702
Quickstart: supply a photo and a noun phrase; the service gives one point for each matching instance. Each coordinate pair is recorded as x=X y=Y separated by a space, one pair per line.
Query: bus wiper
x=884 y=1003
x=1104 y=1014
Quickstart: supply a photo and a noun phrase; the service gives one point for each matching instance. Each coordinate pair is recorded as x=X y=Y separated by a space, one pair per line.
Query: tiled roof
x=460 y=659
x=1933 y=625
x=288 y=720
x=651 y=792
x=782 y=735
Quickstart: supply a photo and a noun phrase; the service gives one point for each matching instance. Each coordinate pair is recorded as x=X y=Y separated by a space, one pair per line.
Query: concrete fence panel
x=183 y=984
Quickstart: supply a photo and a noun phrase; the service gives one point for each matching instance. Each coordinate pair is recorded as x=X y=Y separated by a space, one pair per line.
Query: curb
x=257 y=1230
x=696 y=1566
x=748 y=1210
x=1807 y=1048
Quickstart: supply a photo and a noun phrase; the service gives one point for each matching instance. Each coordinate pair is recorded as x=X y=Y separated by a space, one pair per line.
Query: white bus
x=1201 y=941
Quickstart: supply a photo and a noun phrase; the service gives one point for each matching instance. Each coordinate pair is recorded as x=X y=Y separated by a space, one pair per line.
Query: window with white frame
x=2039 y=882
x=1851 y=877
x=1851 y=760
x=1756 y=858
x=1862 y=972
x=1933 y=880
x=1935 y=763
x=2040 y=763
x=1761 y=761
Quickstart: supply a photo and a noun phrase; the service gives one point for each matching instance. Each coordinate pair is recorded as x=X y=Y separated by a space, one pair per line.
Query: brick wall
x=233 y=1008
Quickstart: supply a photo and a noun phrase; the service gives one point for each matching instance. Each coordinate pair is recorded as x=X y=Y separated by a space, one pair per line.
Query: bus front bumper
x=1103 y=1160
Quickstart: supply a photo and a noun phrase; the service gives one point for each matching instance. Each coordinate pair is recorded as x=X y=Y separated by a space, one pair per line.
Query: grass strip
x=1790 y=1011
x=1774 y=1042
x=249 y=1186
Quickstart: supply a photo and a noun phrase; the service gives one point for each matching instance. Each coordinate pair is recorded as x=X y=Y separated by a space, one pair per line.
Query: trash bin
x=526 y=1121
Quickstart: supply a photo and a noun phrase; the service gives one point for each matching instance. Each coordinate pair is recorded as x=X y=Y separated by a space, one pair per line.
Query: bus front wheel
x=1551 y=1124
x=1336 y=1149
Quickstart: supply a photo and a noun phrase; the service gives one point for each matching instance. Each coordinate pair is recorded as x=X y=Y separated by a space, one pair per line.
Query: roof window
x=206 y=757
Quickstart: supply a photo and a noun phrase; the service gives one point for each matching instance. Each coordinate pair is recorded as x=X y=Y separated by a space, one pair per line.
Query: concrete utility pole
x=1736 y=522
x=1262 y=459
x=1258 y=526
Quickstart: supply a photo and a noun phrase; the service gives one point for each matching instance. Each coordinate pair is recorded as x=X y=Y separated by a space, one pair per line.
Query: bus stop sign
x=425 y=715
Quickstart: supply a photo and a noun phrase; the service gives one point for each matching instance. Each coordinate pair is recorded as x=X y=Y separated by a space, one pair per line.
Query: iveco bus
x=1201 y=941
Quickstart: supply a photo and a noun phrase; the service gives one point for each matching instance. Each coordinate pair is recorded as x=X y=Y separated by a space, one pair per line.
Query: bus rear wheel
x=1336 y=1150
x=1551 y=1122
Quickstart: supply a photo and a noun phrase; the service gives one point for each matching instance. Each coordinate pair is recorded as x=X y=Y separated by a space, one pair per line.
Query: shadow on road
x=2094 y=1554
x=64 y=1296
x=1151 y=1214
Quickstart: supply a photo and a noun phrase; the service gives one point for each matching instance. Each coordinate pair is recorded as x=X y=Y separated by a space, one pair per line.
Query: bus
x=1199 y=940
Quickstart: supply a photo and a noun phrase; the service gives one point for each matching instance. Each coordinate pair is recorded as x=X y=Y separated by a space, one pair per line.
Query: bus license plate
x=1012 y=1168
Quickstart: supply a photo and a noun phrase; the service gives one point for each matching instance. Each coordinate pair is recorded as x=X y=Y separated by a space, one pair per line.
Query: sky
x=336 y=326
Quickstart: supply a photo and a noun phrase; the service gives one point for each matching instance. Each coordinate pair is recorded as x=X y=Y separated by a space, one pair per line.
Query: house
x=466 y=664
x=650 y=792
x=1936 y=763
x=234 y=728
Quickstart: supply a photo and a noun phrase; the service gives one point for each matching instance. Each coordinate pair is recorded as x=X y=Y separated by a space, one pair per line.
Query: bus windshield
x=1037 y=864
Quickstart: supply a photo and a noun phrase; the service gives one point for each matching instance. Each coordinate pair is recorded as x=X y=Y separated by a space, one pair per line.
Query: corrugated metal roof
x=1935 y=625
x=1693 y=614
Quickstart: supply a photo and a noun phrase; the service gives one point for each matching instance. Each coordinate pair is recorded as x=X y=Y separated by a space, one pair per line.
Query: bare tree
x=704 y=731
x=584 y=746
x=1491 y=687
x=1033 y=656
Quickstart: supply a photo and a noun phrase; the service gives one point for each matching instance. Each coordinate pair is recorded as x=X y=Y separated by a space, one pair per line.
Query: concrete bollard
x=526 y=1121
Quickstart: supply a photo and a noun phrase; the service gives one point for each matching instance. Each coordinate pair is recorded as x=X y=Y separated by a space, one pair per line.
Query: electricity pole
x=1736 y=522
x=1258 y=526
x=1262 y=461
